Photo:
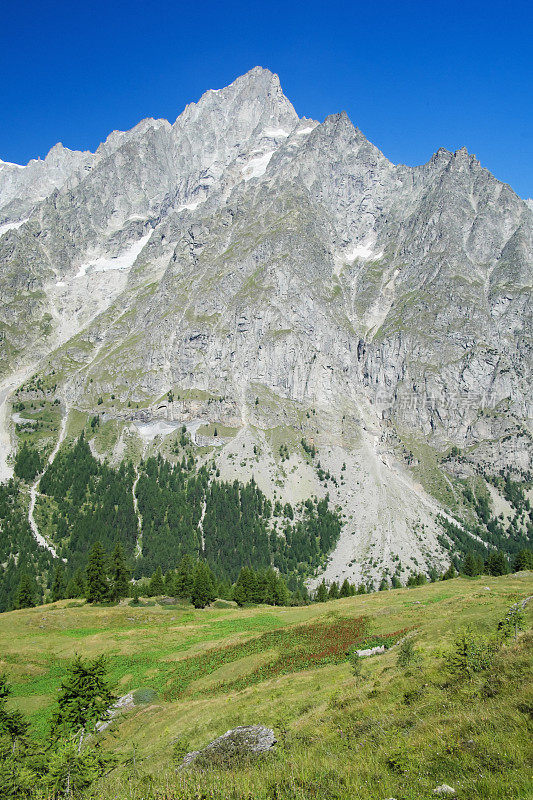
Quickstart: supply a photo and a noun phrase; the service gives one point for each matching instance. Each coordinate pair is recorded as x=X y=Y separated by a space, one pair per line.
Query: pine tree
x=333 y=591
x=245 y=590
x=203 y=591
x=281 y=593
x=184 y=578
x=321 y=594
x=497 y=563
x=120 y=574
x=59 y=587
x=170 y=583
x=97 y=583
x=25 y=596
x=345 y=588
x=384 y=585
x=450 y=573
x=76 y=586
x=85 y=698
x=469 y=565
x=523 y=561
x=157 y=585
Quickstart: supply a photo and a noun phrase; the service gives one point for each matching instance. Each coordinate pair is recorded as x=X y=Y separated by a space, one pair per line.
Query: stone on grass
x=242 y=744
x=445 y=791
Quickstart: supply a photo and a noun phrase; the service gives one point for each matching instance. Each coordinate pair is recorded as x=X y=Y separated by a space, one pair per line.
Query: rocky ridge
x=283 y=280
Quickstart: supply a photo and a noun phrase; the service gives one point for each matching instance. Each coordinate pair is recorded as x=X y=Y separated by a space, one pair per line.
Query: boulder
x=445 y=791
x=244 y=743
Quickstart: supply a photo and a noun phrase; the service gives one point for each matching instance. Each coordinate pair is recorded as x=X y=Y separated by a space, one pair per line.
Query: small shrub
x=470 y=654
x=407 y=654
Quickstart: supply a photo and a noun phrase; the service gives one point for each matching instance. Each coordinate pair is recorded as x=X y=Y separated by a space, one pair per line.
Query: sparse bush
x=407 y=654
x=471 y=653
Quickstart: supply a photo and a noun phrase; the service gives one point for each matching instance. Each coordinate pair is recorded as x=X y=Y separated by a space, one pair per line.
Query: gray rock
x=242 y=251
x=445 y=790
x=239 y=744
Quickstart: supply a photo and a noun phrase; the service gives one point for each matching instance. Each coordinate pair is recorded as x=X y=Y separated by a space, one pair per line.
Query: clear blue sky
x=413 y=76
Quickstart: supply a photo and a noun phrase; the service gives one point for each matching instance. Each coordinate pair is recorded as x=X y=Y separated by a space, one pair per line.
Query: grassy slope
x=338 y=736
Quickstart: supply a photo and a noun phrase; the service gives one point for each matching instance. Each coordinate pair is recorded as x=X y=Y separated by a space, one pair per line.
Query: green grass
x=391 y=733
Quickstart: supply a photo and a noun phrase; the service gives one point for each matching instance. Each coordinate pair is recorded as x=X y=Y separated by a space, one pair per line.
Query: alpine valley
x=249 y=337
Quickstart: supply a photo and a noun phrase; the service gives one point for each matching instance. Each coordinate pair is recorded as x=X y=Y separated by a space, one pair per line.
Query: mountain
x=317 y=318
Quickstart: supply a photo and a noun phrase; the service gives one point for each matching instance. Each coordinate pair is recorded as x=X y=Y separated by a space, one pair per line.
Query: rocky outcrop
x=291 y=269
x=242 y=744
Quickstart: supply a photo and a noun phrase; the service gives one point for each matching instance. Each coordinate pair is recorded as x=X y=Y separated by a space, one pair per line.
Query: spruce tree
x=184 y=577
x=157 y=585
x=497 y=563
x=281 y=593
x=59 y=586
x=345 y=588
x=85 y=698
x=76 y=586
x=321 y=594
x=469 y=565
x=25 y=596
x=523 y=561
x=120 y=574
x=96 y=573
x=333 y=591
x=203 y=591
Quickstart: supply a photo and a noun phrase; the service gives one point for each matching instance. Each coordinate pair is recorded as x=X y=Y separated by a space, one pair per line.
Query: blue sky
x=414 y=76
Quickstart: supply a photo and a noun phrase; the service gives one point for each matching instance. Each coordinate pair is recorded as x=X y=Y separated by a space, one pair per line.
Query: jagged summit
x=283 y=282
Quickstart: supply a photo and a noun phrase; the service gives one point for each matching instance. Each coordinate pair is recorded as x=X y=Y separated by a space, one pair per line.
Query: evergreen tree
x=27 y=463
x=203 y=591
x=450 y=573
x=281 y=592
x=85 y=698
x=333 y=593
x=361 y=589
x=497 y=563
x=246 y=587
x=384 y=585
x=321 y=594
x=25 y=596
x=76 y=586
x=96 y=573
x=345 y=590
x=136 y=593
x=396 y=584
x=59 y=585
x=157 y=585
x=470 y=565
x=523 y=561
x=184 y=578
x=170 y=583
x=119 y=574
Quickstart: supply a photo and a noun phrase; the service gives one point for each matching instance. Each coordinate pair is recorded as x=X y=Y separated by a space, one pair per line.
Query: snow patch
x=257 y=166
x=121 y=262
x=190 y=206
x=12 y=226
x=305 y=130
x=363 y=251
x=276 y=132
x=158 y=427
x=10 y=164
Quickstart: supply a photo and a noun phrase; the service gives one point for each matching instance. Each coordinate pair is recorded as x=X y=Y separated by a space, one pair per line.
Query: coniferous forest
x=157 y=513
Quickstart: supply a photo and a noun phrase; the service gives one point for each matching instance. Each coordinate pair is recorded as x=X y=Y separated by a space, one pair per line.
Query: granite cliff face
x=281 y=280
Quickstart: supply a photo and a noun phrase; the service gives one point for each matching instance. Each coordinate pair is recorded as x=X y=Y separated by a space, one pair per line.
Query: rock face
x=283 y=275
x=235 y=746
